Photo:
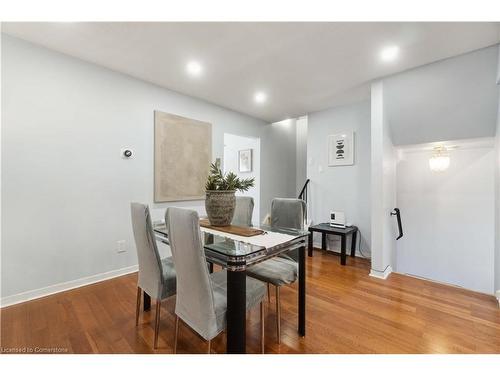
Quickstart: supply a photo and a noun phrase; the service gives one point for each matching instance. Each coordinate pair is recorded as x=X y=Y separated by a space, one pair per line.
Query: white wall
x=232 y=145
x=343 y=188
x=1 y=163
x=497 y=208
x=383 y=186
x=301 y=153
x=497 y=195
x=453 y=99
x=66 y=191
x=448 y=216
x=277 y=170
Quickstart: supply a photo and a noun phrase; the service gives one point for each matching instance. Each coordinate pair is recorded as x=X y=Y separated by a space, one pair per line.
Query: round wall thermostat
x=127 y=153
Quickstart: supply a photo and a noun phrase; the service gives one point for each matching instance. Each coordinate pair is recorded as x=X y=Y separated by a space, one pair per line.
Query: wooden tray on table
x=232 y=229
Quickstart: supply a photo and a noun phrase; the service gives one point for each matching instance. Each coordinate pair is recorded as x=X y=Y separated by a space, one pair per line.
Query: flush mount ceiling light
x=260 y=97
x=194 y=68
x=440 y=159
x=389 y=53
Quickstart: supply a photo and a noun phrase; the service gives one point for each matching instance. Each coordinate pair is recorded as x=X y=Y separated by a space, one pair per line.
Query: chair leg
x=278 y=314
x=262 y=328
x=268 y=293
x=176 y=333
x=209 y=346
x=157 y=322
x=138 y=306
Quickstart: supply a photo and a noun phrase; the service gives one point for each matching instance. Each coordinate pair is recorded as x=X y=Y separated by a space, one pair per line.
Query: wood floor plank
x=347 y=312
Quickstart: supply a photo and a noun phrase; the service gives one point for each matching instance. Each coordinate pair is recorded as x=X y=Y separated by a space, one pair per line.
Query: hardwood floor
x=347 y=312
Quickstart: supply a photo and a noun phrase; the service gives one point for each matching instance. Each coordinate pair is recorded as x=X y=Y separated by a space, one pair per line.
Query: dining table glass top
x=271 y=240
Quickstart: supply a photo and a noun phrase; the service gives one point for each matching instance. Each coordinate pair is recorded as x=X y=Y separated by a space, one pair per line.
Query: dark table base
x=236 y=312
x=302 y=291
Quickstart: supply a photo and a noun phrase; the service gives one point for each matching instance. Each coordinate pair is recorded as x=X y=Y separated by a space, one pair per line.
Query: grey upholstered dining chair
x=201 y=296
x=282 y=270
x=156 y=276
x=243 y=212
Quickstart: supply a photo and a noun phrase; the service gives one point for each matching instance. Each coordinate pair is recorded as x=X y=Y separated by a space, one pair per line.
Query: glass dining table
x=235 y=254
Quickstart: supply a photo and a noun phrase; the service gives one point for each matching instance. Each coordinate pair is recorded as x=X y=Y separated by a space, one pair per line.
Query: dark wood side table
x=324 y=229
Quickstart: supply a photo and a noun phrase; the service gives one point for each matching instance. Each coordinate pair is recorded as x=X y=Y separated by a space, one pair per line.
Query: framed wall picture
x=182 y=155
x=245 y=160
x=341 y=149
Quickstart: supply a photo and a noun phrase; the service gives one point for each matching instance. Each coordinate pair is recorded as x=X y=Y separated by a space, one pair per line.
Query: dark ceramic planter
x=220 y=206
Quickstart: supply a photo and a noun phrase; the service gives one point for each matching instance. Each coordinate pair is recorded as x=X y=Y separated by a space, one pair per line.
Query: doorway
x=234 y=147
x=448 y=216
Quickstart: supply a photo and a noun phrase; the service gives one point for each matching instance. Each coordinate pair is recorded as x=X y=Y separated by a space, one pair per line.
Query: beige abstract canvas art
x=183 y=152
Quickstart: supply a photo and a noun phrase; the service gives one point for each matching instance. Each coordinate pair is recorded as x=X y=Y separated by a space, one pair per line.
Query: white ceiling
x=303 y=67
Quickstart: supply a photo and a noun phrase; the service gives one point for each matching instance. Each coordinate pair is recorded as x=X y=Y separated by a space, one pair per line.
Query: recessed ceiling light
x=389 y=54
x=260 y=97
x=194 y=68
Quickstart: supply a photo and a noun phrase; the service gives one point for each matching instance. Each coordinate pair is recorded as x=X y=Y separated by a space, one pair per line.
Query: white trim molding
x=497 y=294
x=381 y=274
x=68 y=285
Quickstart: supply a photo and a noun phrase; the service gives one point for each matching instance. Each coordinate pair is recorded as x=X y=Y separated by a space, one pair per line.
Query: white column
x=383 y=186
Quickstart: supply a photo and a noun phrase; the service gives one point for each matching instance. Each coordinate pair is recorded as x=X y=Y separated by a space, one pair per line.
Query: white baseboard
x=497 y=294
x=57 y=288
x=381 y=274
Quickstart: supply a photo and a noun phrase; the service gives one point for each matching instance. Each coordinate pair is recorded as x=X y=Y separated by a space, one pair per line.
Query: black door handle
x=397 y=213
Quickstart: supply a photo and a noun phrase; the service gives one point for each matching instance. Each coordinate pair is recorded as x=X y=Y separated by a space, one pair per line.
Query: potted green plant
x=220 y=199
